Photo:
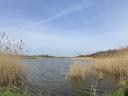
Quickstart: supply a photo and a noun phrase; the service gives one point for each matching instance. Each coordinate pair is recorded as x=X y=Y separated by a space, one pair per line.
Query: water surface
x=49 y=78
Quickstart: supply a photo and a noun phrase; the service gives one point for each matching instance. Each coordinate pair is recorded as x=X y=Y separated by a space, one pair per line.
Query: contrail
x=65 y=12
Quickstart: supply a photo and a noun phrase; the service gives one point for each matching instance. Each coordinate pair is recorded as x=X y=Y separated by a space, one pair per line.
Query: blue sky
x=66 y=27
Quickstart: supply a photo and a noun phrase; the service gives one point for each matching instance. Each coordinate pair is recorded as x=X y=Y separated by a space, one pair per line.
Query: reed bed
x=116 y=65
x=12 y=72
x=81 y=68
x=78 y=71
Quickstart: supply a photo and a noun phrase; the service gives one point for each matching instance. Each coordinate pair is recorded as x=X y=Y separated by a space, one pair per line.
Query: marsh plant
x=77 y=71
x=80 y=69
x=114 y=65
x=12 y=72
x=8 y=46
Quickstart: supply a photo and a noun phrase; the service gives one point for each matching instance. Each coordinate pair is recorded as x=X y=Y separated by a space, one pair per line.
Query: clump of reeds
x=11 y=70
x=116 y=65
x=113 y=65
x=78 y=71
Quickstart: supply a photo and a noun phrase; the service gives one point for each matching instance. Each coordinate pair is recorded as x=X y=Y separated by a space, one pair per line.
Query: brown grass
x=11 y=69
x=116 y=65
x=77 y=71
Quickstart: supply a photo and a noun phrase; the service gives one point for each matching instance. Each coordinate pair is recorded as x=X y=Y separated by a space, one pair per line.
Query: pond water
x=49 y=78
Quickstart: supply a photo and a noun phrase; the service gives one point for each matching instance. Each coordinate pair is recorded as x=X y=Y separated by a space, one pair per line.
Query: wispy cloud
x=72 y=9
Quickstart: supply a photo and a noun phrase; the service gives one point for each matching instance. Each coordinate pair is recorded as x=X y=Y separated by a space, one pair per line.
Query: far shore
x=42 y=57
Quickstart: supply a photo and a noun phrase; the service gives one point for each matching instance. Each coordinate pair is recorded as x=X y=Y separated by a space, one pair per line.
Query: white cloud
x=74 y=8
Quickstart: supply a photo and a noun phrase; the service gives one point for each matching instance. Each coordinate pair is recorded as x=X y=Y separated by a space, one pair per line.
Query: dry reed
x=78 y=71
x=11 y=69
x=116 y=65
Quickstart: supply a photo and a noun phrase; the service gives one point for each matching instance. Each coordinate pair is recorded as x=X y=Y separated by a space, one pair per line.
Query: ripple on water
x=49 y=79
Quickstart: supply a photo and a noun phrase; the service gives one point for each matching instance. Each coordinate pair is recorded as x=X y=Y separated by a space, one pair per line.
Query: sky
x=66 y=27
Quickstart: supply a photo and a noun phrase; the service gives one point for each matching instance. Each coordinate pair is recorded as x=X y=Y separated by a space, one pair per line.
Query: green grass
x=85 y=94
x=118 y=92
x=9 y=91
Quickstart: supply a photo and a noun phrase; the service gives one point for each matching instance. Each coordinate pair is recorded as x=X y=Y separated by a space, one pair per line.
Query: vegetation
x=9 y=91
x=116 y=65
x=85 y=94
x=104 y=53
x=37 y=56
x=12 y=72
x=119 y=92
x=112 y=62
x=77 y=71
x=111 y=52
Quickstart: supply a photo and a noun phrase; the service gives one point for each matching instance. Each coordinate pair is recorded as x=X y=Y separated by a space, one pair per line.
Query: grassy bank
x=123 y=91
x=119 y=92
x=9 y=91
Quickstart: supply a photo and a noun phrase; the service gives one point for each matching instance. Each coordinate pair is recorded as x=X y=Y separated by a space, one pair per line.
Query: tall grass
x=78 y=71
x=11 y=70
x=116 y=65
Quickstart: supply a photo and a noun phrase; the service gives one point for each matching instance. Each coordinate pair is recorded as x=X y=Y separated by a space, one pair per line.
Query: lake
x=49 y=77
